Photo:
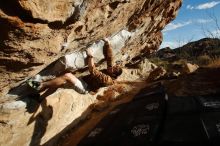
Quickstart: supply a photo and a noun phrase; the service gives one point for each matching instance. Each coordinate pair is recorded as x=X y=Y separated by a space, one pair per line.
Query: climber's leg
x=59 y=81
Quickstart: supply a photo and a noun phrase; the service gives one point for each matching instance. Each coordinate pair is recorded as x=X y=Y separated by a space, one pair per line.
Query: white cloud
x=204 y=5
x=173 y=26
x=189 y=7
x=208 y=5
x=203 y=21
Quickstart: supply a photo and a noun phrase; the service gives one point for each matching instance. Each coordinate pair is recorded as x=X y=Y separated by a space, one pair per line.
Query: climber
x=97 y=78
x=79 y=85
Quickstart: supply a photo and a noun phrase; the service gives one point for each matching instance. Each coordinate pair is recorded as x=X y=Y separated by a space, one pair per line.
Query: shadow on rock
x=41 y=121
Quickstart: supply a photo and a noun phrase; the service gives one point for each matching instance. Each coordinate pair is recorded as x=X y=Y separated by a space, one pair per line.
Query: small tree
x=209 y=33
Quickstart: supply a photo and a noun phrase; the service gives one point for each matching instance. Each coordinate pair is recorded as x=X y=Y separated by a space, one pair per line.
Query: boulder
x=34 y=34
x=156 y=74
x=27 y=122
x=204 y=81
x=166 y=54
x=190 y=68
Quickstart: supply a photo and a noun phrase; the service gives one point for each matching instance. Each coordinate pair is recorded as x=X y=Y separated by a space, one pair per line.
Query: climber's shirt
x=100 y=78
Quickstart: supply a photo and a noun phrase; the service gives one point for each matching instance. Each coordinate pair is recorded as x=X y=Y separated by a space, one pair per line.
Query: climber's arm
x=91 y=64
x=108 y=53
x=90 y=60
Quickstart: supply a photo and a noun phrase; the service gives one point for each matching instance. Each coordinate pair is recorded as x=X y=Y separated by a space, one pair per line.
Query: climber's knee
x=70 y=77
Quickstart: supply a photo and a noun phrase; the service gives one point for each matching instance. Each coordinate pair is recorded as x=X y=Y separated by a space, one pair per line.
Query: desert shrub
x=159 y=62
x=216 y=52
x=155 y=60
x=180 y=61
x=203 y=60
x=214 y=63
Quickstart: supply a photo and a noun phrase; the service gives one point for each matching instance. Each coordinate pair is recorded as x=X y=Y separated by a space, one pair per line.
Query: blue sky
x=195 y=20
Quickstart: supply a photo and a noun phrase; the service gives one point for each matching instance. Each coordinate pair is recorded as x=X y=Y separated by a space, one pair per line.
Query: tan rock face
x=36 y=33
x=58 y=10
x=27 y=122
x=33 y=32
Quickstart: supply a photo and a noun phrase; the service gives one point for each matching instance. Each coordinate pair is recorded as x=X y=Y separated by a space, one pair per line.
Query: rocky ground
x=46 y=121
x=192 y=81
x=100 y=110
x=42 y=119
x=204 y=81
x=34 y=34
x=186 y=86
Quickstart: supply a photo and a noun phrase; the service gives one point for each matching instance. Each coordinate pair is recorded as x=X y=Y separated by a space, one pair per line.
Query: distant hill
x=206 y=46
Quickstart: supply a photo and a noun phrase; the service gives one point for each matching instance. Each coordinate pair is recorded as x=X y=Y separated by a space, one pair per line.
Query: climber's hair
x=117 y=71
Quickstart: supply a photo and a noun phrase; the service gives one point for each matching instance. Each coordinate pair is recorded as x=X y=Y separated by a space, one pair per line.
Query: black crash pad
x=153 y=119
x=209 y=103
x=183 y=129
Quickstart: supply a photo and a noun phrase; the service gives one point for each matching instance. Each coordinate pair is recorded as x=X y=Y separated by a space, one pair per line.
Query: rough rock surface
x=204 y=81
x=36 y=33
x=190 y=68
x=156 y=74
x=29 y=123
x=33 y=33
x=58 y=10
x=166 y=54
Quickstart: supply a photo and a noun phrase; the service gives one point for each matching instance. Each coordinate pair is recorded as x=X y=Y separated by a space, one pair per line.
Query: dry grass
x=214 y=64
x=203 y=60
x=160 y=62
